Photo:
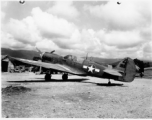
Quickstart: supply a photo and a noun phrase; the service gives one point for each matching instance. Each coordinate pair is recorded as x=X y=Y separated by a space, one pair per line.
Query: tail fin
x=128 y=69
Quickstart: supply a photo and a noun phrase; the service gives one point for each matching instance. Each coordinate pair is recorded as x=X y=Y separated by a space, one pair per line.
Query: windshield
x=71 y=57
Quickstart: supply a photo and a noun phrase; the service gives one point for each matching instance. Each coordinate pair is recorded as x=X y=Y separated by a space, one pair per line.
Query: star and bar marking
x=91 y=68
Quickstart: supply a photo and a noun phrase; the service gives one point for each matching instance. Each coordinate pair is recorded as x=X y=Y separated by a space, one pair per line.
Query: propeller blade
x=52 y=51
x=38 y=50
x=41 y=53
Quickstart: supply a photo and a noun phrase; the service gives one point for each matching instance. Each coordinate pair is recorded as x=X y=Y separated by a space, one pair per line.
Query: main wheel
x=64 y=76
x=47 y=77
x=109 y=83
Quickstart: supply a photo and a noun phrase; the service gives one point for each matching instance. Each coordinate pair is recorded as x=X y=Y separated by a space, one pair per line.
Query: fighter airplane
x=124 y=71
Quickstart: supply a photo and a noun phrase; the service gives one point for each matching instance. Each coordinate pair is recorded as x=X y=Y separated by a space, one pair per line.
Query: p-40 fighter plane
x=124 y=71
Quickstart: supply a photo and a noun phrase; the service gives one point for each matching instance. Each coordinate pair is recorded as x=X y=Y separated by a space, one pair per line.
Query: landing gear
x=65 y=76
x=141 y=75
x=48 y=76
x=109 y=83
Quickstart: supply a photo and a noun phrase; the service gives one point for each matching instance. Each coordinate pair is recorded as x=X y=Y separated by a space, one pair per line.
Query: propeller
x=52 y=51
x=41 y=53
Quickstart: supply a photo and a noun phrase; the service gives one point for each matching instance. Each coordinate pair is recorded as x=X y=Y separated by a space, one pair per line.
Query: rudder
x=130 y=71
x=127 y=66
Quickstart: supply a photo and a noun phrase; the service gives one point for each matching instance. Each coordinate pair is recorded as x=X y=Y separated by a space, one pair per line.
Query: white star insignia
x=91 y=68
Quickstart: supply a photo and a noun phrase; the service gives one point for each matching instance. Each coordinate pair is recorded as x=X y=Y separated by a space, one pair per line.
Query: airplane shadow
x=111 y=85
x=52 y=80
x=82 y=80
x=107 y=85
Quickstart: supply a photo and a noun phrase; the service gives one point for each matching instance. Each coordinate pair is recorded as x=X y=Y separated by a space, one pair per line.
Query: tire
x=47 y=77
x=109 y=83
x=65 y=77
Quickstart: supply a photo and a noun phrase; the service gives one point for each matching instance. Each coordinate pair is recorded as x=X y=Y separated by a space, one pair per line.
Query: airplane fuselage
x=82 y=65
x=124 y=70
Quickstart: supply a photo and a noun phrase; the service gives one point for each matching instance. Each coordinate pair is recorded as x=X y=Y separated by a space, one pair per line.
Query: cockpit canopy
x=71 y=57
x=74 y=58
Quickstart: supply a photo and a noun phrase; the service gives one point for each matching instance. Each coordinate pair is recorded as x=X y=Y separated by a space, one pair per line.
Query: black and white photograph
x=76 y=59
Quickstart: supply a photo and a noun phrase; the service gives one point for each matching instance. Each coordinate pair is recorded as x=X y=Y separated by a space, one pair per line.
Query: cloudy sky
x=100 y=28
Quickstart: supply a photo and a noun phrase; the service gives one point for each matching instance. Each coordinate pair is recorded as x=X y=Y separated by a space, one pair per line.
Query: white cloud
x=114 y=52
x=47 y=45
x=126 y=16
x=147 y=56
x=145 y=33
x=2 y=15
x=52 y=26
x=64 y=9
x=120 y=39
x=4 y=4
x=8 y=41
x=88 y=42
x=126 y=31
x=148 y=47
x=24 y=31
x=40 y=26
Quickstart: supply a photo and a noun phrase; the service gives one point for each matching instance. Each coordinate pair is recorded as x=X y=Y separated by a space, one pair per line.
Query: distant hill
x=25 y=54
x=28 y=54
x=114 y=62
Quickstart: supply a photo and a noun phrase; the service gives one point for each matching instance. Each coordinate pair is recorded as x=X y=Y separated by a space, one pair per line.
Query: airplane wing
x=58 y=67
x=112 y=72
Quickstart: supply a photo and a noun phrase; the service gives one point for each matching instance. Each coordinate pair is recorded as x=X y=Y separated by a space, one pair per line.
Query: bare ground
x=25 y=95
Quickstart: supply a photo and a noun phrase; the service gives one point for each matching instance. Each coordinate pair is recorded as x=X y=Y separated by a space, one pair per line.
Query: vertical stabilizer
x=128 y=69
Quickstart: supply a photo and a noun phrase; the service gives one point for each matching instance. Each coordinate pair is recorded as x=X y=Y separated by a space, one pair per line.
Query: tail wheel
x=47 y=77
x=65 y=77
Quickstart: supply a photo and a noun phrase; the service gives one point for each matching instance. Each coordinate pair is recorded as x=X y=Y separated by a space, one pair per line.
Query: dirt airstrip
x=26 y=95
